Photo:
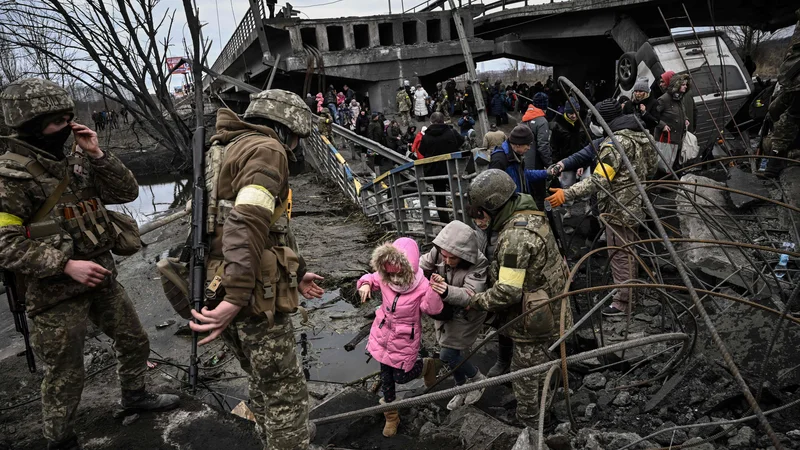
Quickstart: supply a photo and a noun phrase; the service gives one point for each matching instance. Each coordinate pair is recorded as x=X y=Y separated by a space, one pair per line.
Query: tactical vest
x=542 y=323
x=81 y=214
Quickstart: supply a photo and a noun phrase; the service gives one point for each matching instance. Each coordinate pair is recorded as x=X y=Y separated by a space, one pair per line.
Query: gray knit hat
x=642 y=85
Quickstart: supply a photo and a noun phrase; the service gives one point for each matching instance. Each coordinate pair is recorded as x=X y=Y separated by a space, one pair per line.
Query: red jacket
x=415 y=145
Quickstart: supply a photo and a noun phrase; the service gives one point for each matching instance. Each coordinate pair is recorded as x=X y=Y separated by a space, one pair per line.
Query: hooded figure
x=457 y=259
x=675 y=108
x=420 y=107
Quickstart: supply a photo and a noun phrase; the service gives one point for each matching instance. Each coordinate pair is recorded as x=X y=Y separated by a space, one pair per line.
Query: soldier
x=54 y=232
x=611 y=173
x=442 y=102
x=785 y=109
x=253 y=236
x=403 y=106
x=526 y=269
x=325 y=127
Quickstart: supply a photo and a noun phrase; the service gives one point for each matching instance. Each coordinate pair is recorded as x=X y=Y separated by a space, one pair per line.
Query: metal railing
x=402 y=199
x=245 y=34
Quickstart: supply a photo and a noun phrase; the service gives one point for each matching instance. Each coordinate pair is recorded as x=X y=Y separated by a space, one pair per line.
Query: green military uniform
x=325 y=127
x=785 y=109
x=76 y=228
x=442 y=102
x=404 y=106
x=253 y=184
x=526 y=260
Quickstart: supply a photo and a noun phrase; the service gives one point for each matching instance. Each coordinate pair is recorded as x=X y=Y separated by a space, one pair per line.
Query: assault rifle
x=556 y=224
x=17 y=308
x=197 y=263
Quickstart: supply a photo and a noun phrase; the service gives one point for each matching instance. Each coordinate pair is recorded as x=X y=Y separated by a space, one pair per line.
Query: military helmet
x=491 y=189
x=281 y=106
x=28 y=98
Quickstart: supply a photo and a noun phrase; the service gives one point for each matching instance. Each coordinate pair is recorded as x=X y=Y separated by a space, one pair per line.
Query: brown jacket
x=261 y=160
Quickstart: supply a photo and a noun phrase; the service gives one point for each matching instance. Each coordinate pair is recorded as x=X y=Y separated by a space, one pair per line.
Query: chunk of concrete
x=716 y=261
x=747 y=182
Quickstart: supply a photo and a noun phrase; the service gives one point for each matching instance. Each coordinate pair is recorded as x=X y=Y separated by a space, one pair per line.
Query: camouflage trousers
x=278 y=393
x=623 y=265
x=788 y=125
x=526 y=389
x=58 y=337
x=404 y=118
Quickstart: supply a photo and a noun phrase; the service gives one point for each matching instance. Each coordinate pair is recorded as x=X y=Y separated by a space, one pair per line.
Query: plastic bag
x=667 y=150
x=690 y=149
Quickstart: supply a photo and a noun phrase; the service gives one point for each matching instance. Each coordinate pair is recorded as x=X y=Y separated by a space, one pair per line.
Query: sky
x=223 y=16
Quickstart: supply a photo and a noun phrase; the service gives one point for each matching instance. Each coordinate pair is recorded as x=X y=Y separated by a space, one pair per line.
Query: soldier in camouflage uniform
x=526 y=265
x=254 y=184
x=611 y=173
x=403 y=106
x=442 y=102
x=325 y=127
x=61 y=248
x=785 y=109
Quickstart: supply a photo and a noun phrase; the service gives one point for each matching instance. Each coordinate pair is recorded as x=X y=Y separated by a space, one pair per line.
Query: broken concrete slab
x=747 y=182
x=716 y=261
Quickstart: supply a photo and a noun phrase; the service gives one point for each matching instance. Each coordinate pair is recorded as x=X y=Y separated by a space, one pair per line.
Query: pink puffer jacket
x=396 y=333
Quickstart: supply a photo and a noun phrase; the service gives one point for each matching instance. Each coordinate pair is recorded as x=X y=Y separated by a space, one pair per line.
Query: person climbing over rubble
x=675 y=110
x=510 y=158
x=526 y=270
x=253 y=236
x=57 y=243
x=540 y=156
x=643 y=105
x=614 y=176
x=396 y=333
x=457 y=268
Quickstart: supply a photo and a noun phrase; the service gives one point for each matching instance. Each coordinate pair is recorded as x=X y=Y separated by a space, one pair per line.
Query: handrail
x=244 y=34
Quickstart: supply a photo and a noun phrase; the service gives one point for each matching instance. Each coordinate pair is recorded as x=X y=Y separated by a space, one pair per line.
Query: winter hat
x=642 y=85
x=423 y=130
x=493 y=127
x=609 y=109
x=521 y=135
x=666 y=77
x=540 y=100
x=568 y=109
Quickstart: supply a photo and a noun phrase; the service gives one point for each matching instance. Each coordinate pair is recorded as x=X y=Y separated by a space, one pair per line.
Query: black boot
x=505 y=350
x=774 y=168
x=141 y=400
x=71 y=443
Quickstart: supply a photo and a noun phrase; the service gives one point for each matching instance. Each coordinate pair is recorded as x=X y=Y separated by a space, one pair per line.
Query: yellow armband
x=605 y=171
x=512 y=277
x=254 y=194
x=7 y=219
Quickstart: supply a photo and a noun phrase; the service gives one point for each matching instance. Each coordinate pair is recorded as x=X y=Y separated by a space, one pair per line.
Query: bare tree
x=116 y=48
x=747 y=39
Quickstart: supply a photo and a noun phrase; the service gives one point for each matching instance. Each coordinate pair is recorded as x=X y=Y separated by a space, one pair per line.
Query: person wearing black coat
x=362 y=123
x=567 y=137
x=440 y=139
x=375 y=133
x=642 y=105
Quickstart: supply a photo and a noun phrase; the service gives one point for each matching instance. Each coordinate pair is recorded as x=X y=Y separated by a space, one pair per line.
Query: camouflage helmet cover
x=28 y=98
x=281 y=106
x=491 y=189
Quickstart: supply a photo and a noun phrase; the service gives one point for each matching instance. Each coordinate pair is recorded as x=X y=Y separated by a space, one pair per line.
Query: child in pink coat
x=396 y=333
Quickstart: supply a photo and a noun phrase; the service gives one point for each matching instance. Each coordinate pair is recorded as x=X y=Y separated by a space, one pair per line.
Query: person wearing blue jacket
x=466 y=123
x=509 y=157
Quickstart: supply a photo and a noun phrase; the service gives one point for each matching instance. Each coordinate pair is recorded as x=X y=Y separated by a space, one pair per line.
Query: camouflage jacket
x=41 y=261
x=612 y=174
x=789 y=71
x=403 y=101
x=525 y=260
x=325 y=127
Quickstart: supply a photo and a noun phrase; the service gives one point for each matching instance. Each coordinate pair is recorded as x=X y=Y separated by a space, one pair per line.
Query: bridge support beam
x=627 y=34
x=259 y=23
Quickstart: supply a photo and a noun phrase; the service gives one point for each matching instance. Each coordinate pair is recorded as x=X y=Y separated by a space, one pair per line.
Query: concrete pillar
x=383 y=96
x=469 y=26
x=444 y=20
x=422 y=32
x=296 y=40
x=397 y=32
x=374 y=36
x=322 y=38
x=627 y=34
x=349 y=37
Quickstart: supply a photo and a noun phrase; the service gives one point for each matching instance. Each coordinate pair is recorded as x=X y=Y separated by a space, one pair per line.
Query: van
x=709 y=56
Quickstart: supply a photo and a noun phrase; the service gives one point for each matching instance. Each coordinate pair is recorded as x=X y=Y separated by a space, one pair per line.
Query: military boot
x=505 y=350
x=71 y=443
x=774 y=168
x=141 y=400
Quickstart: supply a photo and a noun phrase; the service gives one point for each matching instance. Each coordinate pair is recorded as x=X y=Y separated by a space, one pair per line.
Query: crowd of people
x=109 y=118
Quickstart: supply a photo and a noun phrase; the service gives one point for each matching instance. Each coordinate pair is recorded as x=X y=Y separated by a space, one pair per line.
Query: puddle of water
x=324 y=357
x=157 y=194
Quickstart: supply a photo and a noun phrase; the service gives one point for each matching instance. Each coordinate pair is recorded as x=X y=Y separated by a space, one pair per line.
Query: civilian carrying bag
x=667 y=150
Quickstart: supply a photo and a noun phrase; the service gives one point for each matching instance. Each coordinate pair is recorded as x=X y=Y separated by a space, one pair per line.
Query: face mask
x=53 y=144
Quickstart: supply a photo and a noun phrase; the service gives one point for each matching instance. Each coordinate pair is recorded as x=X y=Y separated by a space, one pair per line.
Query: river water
x=157 y=194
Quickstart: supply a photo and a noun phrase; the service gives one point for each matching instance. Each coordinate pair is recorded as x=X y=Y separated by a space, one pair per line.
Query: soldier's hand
x=214 y=320
x=88 y=273
x=87 y=140
x=364 y=292
x=557 y=199
x=308 y=287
